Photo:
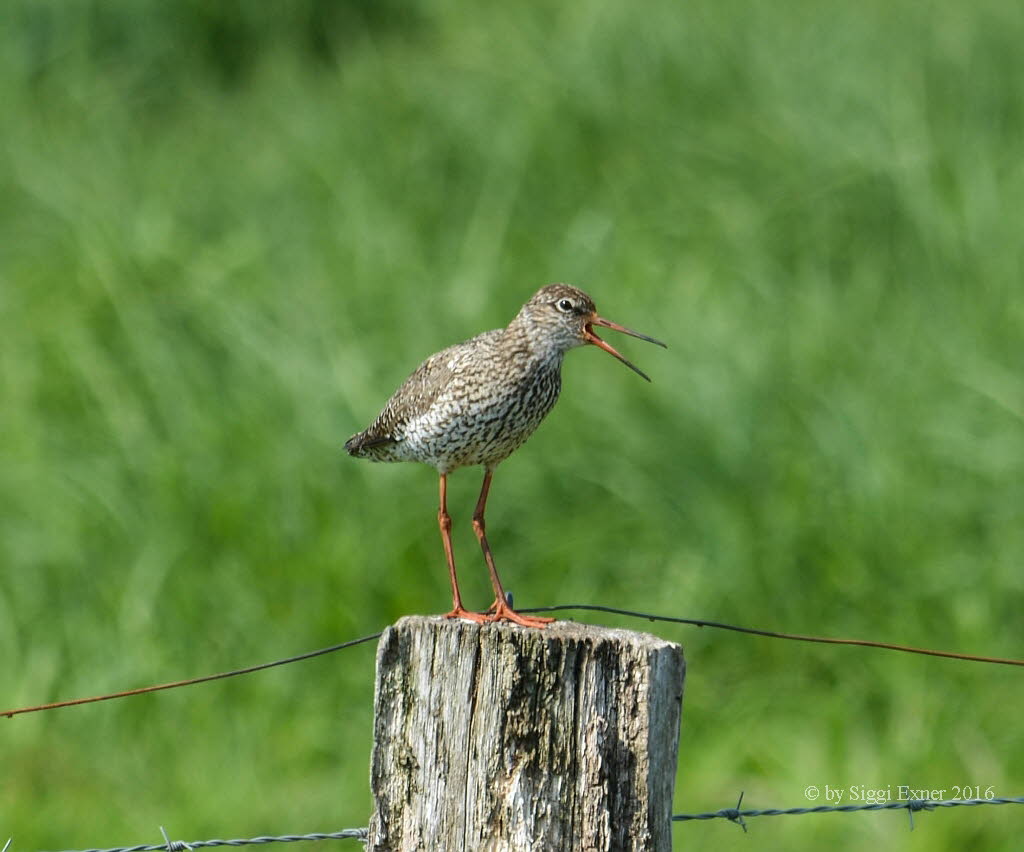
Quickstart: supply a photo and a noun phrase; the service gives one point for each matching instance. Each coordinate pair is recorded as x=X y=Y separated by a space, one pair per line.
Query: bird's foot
x=501 y=611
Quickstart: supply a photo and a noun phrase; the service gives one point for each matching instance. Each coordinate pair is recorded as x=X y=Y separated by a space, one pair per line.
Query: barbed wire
x=911 y=806
x=648 y=616
x=182 y=846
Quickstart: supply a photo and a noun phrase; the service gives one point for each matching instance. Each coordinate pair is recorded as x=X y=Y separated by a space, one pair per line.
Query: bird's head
x=566 y=316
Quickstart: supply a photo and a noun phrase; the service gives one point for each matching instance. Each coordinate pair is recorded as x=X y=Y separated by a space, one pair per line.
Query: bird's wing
x=418 y=392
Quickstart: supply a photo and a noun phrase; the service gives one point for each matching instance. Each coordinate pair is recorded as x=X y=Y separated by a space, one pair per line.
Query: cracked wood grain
x=502 y=738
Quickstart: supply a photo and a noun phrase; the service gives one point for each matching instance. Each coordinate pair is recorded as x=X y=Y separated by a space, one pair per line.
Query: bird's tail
x=359 y=444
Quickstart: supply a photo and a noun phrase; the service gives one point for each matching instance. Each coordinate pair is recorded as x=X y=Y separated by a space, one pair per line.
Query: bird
x=477 y=402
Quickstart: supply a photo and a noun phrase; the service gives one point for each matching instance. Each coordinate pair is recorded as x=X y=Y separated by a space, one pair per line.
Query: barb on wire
x=345 y=834
x=174 y=684
x=911 y=806
x=735 y=815
x=775 y=634
x=176 y=846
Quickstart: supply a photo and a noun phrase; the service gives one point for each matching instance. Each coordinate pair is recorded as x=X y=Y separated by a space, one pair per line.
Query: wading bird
x=478 y=401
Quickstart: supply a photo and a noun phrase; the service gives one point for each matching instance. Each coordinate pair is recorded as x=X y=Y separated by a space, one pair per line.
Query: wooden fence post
x=500 y=738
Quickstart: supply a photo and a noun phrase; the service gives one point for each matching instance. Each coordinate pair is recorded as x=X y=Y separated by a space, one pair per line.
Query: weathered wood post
x=500 y=738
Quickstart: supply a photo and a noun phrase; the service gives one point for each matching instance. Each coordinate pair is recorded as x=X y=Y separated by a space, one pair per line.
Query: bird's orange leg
x=444 y=521
x=500 y=610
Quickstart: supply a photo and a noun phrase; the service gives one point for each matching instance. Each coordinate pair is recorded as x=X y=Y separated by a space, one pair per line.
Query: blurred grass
x=228 y=234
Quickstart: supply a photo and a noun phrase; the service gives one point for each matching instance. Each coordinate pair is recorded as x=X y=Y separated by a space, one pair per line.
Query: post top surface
x=572 y=631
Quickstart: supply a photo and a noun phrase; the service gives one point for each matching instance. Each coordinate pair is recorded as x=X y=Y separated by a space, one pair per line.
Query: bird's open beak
x=591 y=337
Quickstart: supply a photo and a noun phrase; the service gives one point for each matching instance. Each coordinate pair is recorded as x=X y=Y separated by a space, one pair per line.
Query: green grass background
x=229 y=231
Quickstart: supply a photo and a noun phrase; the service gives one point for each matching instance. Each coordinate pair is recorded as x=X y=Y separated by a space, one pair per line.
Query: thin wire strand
x=774 y=634
x=178 y=845
x=174 y=684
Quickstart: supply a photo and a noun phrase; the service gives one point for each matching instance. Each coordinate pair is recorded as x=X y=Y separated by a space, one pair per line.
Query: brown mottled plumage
x=478 y=401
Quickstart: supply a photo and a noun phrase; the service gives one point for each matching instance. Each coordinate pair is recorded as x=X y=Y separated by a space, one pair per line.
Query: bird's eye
x=564 y=305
